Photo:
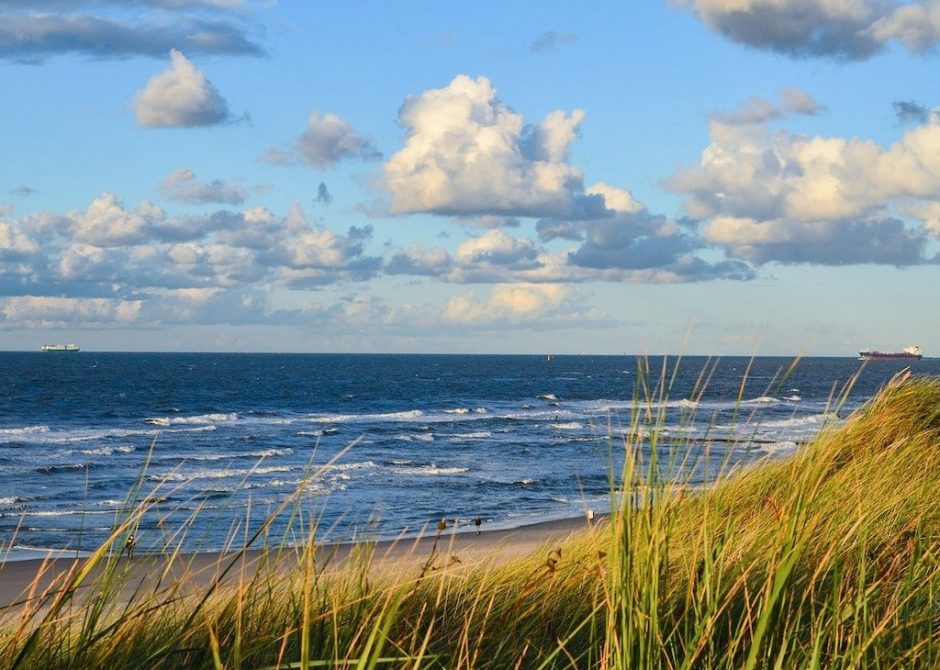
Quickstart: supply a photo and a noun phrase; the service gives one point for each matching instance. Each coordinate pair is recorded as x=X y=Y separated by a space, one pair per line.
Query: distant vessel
x=909 y=353
x=60 y=347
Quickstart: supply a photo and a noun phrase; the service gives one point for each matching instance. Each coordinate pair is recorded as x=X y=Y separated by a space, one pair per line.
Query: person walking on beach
x=129 y=546
x=477 y=522
x=590 y=516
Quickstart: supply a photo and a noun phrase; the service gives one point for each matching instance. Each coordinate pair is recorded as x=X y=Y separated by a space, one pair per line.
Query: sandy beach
x=19 y=577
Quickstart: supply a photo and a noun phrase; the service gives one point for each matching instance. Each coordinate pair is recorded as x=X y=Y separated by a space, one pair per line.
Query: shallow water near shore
x=513 y=439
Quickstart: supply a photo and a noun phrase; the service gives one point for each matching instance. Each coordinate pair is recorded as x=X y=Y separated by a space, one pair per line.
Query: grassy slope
x=825 y=559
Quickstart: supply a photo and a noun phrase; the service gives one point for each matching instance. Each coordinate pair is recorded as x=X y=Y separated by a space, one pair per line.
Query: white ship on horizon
x=60 y=347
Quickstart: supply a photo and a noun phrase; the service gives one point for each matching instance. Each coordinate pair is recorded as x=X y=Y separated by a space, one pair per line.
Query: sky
x=688 y=176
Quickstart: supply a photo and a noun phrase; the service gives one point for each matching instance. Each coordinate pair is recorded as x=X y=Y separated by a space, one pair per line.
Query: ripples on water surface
x=515 y=439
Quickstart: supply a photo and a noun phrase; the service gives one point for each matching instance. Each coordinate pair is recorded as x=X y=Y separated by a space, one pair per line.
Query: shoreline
x=199 y=568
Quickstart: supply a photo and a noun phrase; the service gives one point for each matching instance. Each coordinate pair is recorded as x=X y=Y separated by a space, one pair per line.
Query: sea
x=378 y=446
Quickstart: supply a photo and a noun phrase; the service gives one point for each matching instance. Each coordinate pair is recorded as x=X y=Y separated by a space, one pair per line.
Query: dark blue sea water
x=514 y=439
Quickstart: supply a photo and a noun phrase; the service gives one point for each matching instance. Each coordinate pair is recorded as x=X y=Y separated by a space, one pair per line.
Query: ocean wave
x=458 y=410
x=798 y=421
x=782 y=446
x=12 y=434
x=339 y=467
x=571 y=425
x=760 y=400
x=105 y=451
x=476 y=435
x=407 y=415
x=215 y=417
x=222 y=473
x=64 y=512
x=411 y=437
x=264 y=453
x=431 y=470
x=547 y=396
x=64 y=467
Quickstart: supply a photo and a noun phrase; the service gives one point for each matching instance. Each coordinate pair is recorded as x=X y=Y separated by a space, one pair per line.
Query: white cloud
x=780 y=196
x=55 y=312
x=469 y=154
x=106 y=223
x=497 y=248
x=180 y=97
x=841 y=29
x=616 y=199
x=14 y=243
x=329 y=139
x=182 y=185
x=526 y=305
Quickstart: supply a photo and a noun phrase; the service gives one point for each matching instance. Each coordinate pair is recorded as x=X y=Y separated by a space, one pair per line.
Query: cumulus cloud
x=182 y=185
x=32 y=32
x=827 y=28
x=417 y=260
x=14 y=243
x=180 y=97
x=469 y=154
x=107 y=223
x=769 y=196
x=329 y=139
x=495 y=247
x=551 y=40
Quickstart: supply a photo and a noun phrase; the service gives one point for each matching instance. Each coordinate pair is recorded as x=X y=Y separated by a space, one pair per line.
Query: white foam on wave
x=215 y=417
x=798 y=421
x=8 y=500
x=793 y=398
x=264 y=453
x=13 y=433
x=407 y=415
x=312 y=487
x=432 y=469
x=760 y=400
x=221 y=473
x=411 y=437
x=547 y=396
x=458 y=410
x=571 y=425
x=782 y=446
x=362 y=465
x=105 y=451
x=64 y=512
x=476 y=435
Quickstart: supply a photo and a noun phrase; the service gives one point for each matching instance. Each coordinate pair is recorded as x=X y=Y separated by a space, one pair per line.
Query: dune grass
x=828 y=558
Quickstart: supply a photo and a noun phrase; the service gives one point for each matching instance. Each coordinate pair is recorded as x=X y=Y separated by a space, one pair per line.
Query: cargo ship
x=907 y=354
x=60 y=347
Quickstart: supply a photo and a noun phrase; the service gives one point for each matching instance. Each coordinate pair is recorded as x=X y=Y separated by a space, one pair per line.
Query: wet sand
x=201 y=569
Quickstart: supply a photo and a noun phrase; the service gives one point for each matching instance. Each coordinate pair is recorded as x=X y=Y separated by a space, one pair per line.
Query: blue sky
x=749 y=176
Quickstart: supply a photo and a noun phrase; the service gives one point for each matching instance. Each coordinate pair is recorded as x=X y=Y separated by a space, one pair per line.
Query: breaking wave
x=215 y=417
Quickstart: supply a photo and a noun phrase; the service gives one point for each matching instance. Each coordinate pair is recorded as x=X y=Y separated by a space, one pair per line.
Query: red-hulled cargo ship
x=909 y=353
